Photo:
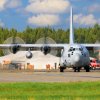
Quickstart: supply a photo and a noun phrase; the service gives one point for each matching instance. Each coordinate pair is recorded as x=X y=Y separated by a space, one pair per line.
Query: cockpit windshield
x=75 y=49
x=80 y=49
x=71 y=49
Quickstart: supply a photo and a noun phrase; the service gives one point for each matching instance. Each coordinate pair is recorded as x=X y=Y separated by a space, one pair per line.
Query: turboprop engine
x=15 y=45
x=14 y=49
x=46 y=49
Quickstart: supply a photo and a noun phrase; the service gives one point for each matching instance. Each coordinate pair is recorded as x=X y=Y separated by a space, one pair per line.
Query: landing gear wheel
x=74 y=69
x=87 y=68
x=78 y=69
x=61 y=69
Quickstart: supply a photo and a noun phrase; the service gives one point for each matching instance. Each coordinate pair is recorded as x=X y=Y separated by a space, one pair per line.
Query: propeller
x=46 y=48
x=15 y=41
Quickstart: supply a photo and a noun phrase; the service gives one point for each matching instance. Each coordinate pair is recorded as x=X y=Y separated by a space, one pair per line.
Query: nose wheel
x=77 y=69
x=62 y=69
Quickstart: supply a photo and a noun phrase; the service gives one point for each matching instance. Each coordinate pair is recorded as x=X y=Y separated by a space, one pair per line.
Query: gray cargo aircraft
x=73 y=55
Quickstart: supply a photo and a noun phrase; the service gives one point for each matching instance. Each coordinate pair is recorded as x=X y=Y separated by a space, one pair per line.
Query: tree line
x=31 y=35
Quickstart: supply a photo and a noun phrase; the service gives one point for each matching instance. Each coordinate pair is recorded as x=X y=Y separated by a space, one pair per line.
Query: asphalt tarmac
x=30 y=76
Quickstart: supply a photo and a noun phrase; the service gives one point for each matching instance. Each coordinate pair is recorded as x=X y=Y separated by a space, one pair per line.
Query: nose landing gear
x=62 y=69
x=76 y=69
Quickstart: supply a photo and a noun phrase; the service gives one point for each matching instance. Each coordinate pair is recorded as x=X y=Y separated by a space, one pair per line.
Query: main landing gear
x=87 y=68
x=76 y=69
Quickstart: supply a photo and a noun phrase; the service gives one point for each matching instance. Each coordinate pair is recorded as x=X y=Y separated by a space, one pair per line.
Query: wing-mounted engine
x=15 y=45
x=15 y=48
x=46 y=49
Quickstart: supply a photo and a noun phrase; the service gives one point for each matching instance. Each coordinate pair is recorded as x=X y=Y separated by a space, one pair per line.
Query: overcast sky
x=19 y=14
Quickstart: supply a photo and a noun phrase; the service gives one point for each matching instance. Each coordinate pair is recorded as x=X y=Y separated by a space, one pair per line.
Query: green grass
x=50 y=91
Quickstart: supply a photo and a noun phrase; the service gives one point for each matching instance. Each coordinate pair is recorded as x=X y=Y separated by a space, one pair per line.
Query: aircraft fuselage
x=74 y=56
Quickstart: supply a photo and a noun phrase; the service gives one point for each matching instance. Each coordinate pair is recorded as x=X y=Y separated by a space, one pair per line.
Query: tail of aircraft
x=71 y=27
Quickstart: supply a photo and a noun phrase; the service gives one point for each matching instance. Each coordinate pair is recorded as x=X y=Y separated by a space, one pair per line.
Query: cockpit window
x=81 y=49
x=71 y=49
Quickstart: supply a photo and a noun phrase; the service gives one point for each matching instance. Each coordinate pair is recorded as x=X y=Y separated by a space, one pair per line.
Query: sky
x=19 y=14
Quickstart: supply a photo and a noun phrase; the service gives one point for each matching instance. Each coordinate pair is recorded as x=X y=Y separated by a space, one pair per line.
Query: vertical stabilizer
x=71 y=27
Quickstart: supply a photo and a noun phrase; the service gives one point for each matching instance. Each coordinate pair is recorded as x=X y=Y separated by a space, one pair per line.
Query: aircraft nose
x=77 y=58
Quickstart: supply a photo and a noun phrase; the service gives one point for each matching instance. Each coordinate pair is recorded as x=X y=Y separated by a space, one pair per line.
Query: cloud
x=13 y=3
x=48 y=6
x=1 y=23
x=4 y=4
x=88 y=20
x=44 y=20
x=46 y=11
x=94 y=8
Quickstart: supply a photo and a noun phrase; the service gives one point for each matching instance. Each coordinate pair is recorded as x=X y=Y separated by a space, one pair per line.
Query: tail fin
x=71 y=27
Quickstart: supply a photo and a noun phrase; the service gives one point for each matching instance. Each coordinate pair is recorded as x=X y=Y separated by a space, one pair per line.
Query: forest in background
x=31 y=35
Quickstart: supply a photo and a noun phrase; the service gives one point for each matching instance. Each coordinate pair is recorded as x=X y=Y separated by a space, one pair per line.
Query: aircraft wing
x=5 y=46
x=91 y=46
x=34 y=46
x=37 y=46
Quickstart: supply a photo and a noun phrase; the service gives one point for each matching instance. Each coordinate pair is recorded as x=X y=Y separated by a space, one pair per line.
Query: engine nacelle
x=46 y=49
x=29 y=55
x=15 y=49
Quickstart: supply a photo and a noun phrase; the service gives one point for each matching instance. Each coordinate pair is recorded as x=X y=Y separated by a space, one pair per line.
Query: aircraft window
x=80 y=49
x=68 y=55
x=73 y=49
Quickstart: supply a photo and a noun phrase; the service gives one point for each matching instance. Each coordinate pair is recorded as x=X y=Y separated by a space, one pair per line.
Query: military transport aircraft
x=74 y=55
